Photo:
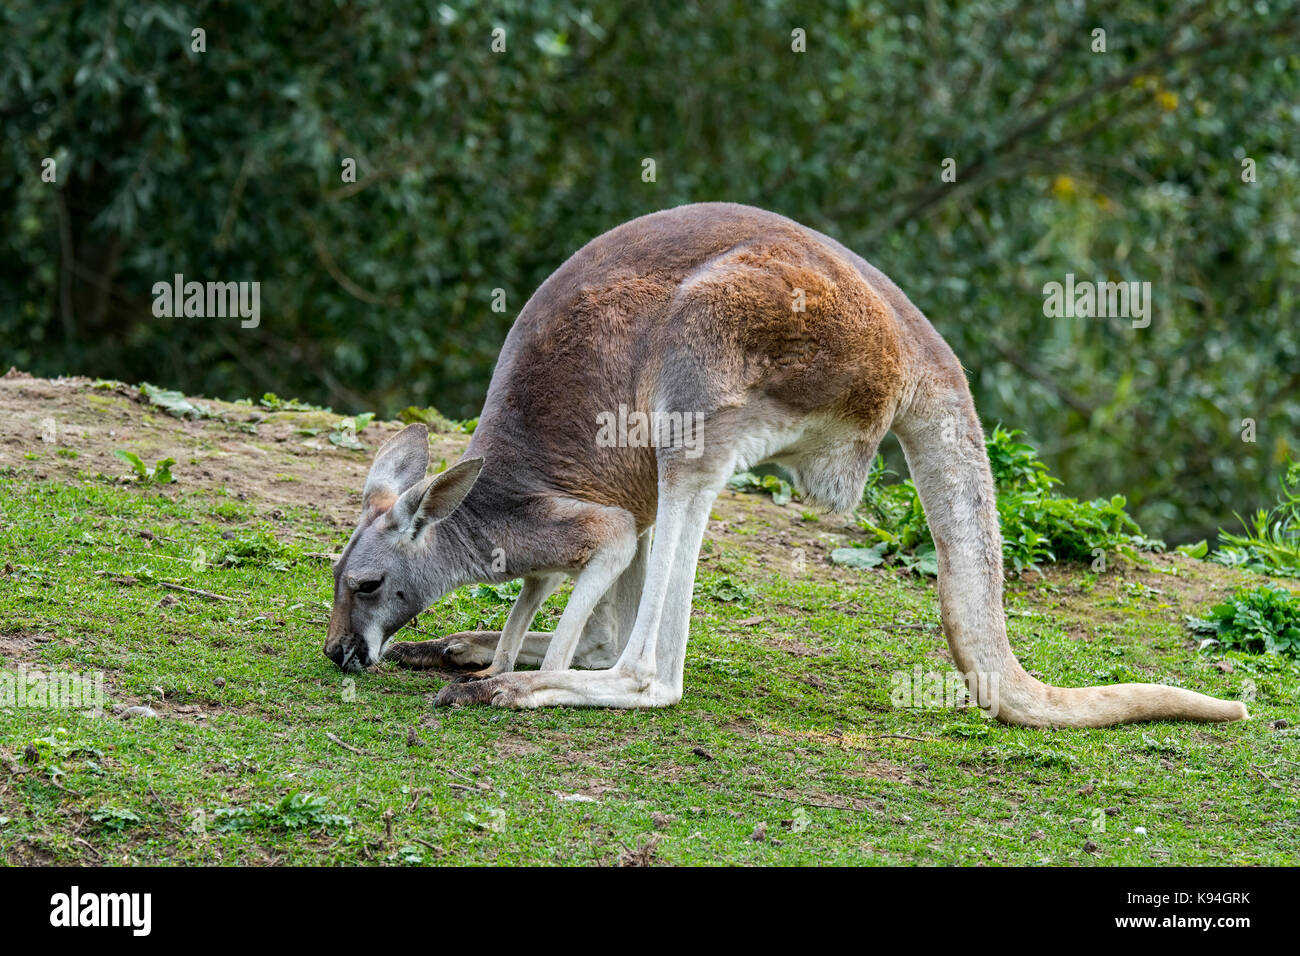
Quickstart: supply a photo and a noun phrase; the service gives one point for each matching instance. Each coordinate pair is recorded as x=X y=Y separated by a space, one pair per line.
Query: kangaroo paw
x=447 y=653
x=472 y=676
x=462 y=693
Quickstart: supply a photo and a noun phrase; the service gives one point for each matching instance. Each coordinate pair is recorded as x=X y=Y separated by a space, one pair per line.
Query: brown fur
x=713 y=281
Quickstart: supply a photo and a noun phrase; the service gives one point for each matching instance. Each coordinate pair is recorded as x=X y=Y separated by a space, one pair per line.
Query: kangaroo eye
x=369 y=587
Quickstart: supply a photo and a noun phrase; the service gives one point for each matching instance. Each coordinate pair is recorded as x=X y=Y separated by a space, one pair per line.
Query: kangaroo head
x=385 y=575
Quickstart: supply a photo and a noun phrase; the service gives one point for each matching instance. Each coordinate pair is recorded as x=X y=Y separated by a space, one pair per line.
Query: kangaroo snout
x=349 y=652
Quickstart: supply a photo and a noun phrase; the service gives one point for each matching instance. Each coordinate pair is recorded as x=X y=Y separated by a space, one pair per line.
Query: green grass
x=782 y=727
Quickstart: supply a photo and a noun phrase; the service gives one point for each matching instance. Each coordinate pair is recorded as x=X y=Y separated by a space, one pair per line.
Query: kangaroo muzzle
x=350 y=652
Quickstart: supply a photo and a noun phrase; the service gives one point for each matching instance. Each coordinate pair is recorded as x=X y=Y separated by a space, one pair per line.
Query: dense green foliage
x=1259 y=619
x=1270 y=541
x=1038 y=525
x=479 y=171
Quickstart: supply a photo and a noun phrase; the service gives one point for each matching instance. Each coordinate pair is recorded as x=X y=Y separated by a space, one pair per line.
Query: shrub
x=1264 y=619
x=1271 y=542
x=1037 y=524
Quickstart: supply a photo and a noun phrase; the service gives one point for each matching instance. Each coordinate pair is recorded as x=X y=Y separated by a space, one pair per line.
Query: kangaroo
x=756 y=340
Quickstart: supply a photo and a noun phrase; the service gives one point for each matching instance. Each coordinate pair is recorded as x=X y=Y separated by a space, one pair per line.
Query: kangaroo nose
x=350 y=653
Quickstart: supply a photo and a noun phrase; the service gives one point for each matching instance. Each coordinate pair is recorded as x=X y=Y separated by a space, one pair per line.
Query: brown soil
x=275 y=467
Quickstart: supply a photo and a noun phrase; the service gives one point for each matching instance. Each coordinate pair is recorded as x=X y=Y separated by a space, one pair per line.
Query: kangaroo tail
x=944 y=445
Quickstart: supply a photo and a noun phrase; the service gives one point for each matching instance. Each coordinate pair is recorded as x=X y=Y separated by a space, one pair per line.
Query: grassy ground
x=785 y=749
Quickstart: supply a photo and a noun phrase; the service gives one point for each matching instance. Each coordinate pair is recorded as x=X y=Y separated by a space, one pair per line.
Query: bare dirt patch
x=1178 y=586
x=18 y=646
x=69 y=429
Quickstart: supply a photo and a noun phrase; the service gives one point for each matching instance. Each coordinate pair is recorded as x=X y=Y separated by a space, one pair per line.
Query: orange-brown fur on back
x=714 y=287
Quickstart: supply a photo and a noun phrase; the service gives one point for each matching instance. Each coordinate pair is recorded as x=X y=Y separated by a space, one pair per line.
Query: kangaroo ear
x=437 y=497
x=400 y=463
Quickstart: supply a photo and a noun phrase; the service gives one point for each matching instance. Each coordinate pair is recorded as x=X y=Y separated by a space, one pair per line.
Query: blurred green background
x=480 y=170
